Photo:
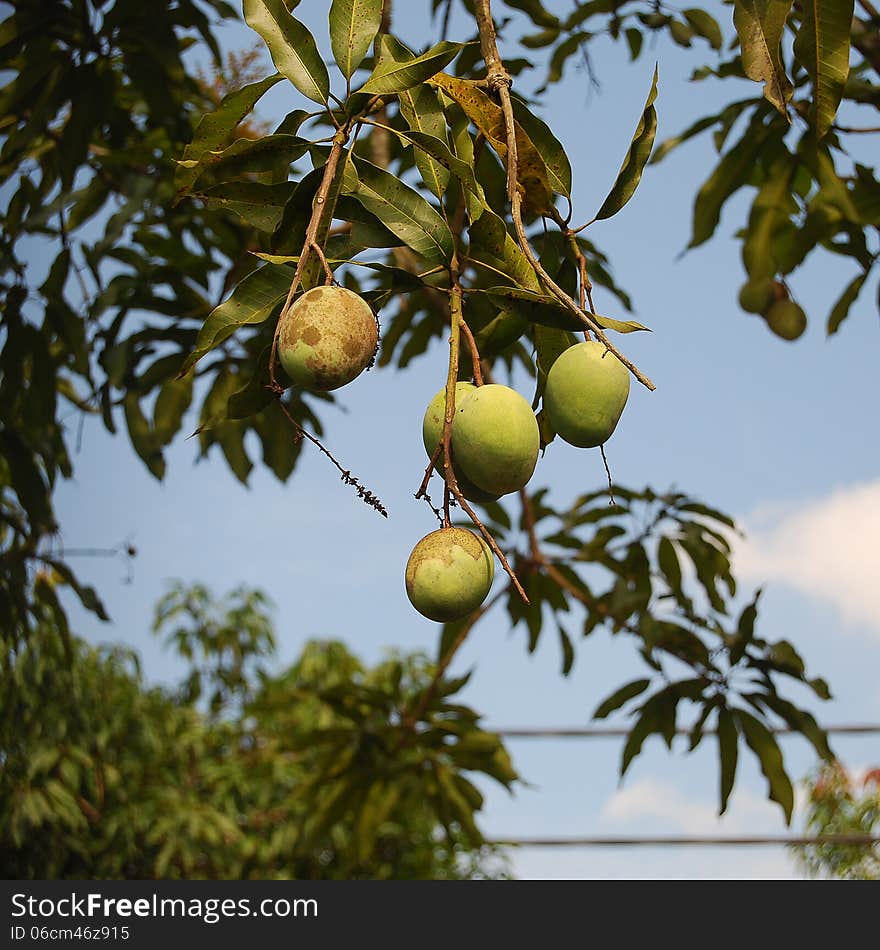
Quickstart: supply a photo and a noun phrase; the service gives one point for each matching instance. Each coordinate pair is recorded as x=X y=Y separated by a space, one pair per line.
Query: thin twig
x=455 y=297
x=612 y=503
x=585 y=285
x=328 y=273
x=499 y=81
x=336 y=150
x=372 y=500
x=475 y=353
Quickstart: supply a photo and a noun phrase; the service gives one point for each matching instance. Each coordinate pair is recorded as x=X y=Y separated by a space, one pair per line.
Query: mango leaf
x=822 y=48
x=143 y=438
x=441 y=153
x=634 y=164
x=421 y=109
x=246 y=156
x=353 y=27
x=840 y=310
x=403 y=211
x=27 y=479
x=760 y=740
x=548 y=311
x=549 y=148
x=488 y=117
x=731 y=173
x=669 y=564
x=705 y=25
x=620 y=697
x=215 y=128
x=258 y=205
x=567 y=650
x=760 y=24
x=798 y=719
x=495 y=251
x=392 y=75
x=251 y=302
x=536 y=12
x=771 y=210
x=291 y=45
x=173 y=400
x=728 y=750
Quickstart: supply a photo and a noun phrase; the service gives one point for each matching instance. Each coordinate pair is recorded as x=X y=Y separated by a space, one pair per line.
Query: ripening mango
x=327 y=338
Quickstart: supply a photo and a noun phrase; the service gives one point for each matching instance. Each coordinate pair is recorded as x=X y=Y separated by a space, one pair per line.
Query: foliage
x=179 y=225
x=809 y=191
x=105 y=777
x=841 y=804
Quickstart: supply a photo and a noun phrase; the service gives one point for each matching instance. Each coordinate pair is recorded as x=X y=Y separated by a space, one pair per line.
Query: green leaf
x=760 y=740
x=258 y=205
x=403 y=211
x=246 y=156
x=771 y=211
x=172 y=402
x=634 y=164
x=799 y=720
x=822 y=48
x=567 y=651
x=27 y=480
x=143 y=438
x=536 y=12
x=423 y=113
x=669 y=564
x=705 y=25
x=393 y=75
x=441 y=155
x=728 y=751
x=745 y=629
x=731 y=173
x=545 y=310
x=840 y=310
x=620 y=697
x=251 y=302
x=215 y=128
x=353 y=27
x=649 y=721
x=291 y=46
x=760 y=25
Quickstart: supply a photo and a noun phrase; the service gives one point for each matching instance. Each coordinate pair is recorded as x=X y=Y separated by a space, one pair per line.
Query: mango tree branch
x=318 y=209
x=499 y=81
x=456 y=321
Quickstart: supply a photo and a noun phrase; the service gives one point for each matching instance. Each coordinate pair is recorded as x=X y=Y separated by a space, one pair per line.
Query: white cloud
x=828 y=548
x=652 y=802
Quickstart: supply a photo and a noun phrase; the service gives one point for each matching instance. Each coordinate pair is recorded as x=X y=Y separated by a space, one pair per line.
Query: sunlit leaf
x=403 y=211
x=291 y=46
x=251 y=302
x=353 y=27
x=822 y=47
x=760 y=24
x=393 y=75
x=634 y=164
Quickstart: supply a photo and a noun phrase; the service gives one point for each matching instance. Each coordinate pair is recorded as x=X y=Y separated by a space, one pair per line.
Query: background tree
x=429 y=199
x=238 y=772
x=841 y=803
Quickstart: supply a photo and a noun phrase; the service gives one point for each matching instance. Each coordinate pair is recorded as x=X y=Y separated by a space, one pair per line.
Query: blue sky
x=784 y=436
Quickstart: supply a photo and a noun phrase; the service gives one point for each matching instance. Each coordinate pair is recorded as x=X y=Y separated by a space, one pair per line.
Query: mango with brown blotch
x=327 y=338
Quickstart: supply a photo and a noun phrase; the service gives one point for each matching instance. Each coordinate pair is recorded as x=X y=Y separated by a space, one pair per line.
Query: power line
x=615 y=732
x=687 y=841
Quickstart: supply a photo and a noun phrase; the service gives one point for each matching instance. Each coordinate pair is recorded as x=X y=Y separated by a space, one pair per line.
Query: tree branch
x=499 y=81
